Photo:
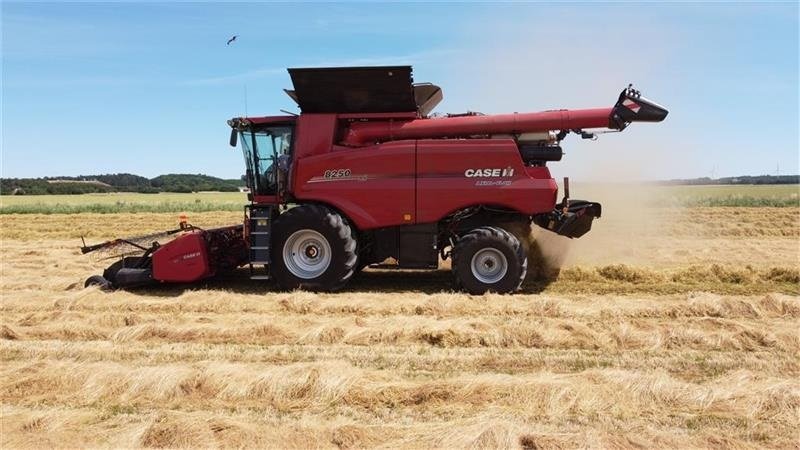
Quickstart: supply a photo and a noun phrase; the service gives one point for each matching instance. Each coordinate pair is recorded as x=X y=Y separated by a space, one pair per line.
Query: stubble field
x=668 y=326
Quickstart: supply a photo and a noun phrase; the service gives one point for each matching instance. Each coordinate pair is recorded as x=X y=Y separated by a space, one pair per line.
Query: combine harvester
x=365 y=175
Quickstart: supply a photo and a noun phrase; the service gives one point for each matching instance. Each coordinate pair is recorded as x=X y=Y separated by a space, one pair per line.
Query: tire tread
x=311 y=213
x=492 y=233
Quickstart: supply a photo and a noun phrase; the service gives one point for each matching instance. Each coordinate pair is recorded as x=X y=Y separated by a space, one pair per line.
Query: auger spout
x=630 y=107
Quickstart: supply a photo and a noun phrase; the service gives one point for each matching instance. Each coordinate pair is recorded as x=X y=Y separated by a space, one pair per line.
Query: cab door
x=267 y=153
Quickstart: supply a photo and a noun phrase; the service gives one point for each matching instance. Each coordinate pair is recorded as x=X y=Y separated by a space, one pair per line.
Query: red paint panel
x=314 y=134
x=373 y=186
x=182 y=260
x=444 y=187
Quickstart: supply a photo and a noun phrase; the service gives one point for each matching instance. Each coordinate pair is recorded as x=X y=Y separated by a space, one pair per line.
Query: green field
x=780 y=195
x=720 y=195
x=122 y=202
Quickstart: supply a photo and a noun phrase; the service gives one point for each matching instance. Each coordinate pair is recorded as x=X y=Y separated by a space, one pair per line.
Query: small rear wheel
x=99 y=281
x=313 y=248
x=489 y=259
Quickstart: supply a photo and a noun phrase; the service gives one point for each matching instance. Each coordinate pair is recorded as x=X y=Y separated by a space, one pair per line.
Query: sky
x=146 y=88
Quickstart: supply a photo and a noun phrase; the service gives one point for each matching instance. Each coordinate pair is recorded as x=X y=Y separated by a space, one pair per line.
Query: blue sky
x=146 y=88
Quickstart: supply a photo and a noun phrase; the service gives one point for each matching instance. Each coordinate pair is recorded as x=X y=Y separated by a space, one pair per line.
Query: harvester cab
x=267 y=148
x=365 y=175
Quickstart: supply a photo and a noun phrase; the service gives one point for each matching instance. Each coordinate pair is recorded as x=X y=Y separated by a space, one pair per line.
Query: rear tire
x=313 y=248
x=489 y=259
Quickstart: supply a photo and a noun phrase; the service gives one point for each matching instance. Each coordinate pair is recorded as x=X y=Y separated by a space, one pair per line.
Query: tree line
x=117 y=182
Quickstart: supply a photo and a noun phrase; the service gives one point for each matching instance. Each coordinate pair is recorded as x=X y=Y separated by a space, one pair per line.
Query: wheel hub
x=312 y=251
x=489 y=265
x=307 y=254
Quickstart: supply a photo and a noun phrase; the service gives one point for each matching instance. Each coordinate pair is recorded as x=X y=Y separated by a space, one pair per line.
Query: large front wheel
x=489 y=259
x=313 y=248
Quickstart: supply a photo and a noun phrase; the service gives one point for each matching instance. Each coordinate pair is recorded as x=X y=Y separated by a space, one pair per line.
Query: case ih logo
x=632 y=105
x=486 y=173
x=184 y=257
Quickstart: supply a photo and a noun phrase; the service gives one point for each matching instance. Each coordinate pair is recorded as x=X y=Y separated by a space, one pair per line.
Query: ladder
x=259 y=233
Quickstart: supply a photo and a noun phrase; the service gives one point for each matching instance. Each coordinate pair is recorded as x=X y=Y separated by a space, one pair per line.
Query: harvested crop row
x=704 y=333
x=203 y=305
x=120 y=427
x=312 y=387
x=693 y=365
x=373 y=397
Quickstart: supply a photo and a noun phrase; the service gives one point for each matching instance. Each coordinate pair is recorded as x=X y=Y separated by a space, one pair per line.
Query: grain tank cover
x=359 y=90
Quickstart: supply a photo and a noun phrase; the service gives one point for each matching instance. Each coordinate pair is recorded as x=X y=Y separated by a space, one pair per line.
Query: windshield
x=267 y=154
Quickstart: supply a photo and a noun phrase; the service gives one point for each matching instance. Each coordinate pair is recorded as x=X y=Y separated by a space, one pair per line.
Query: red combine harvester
x=365 y=175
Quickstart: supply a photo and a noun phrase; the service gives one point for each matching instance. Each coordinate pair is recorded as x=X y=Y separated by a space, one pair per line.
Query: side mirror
x=234 y=137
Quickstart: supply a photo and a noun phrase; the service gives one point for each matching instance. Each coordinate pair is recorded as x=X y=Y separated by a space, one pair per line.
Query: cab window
x=267 y=153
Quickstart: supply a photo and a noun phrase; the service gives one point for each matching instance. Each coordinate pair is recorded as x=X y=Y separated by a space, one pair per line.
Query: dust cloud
x=544 y=67
x=634 y=229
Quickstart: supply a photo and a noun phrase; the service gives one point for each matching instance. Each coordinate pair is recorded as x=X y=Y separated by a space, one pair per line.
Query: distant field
x=122 y=203
x=734 y=195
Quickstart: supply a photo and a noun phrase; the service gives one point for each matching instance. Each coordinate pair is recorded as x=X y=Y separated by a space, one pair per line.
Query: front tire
x=313 y=248
x=489 y=259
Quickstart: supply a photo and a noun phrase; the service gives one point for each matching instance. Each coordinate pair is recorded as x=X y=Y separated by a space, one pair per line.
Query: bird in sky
x=232 y=39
